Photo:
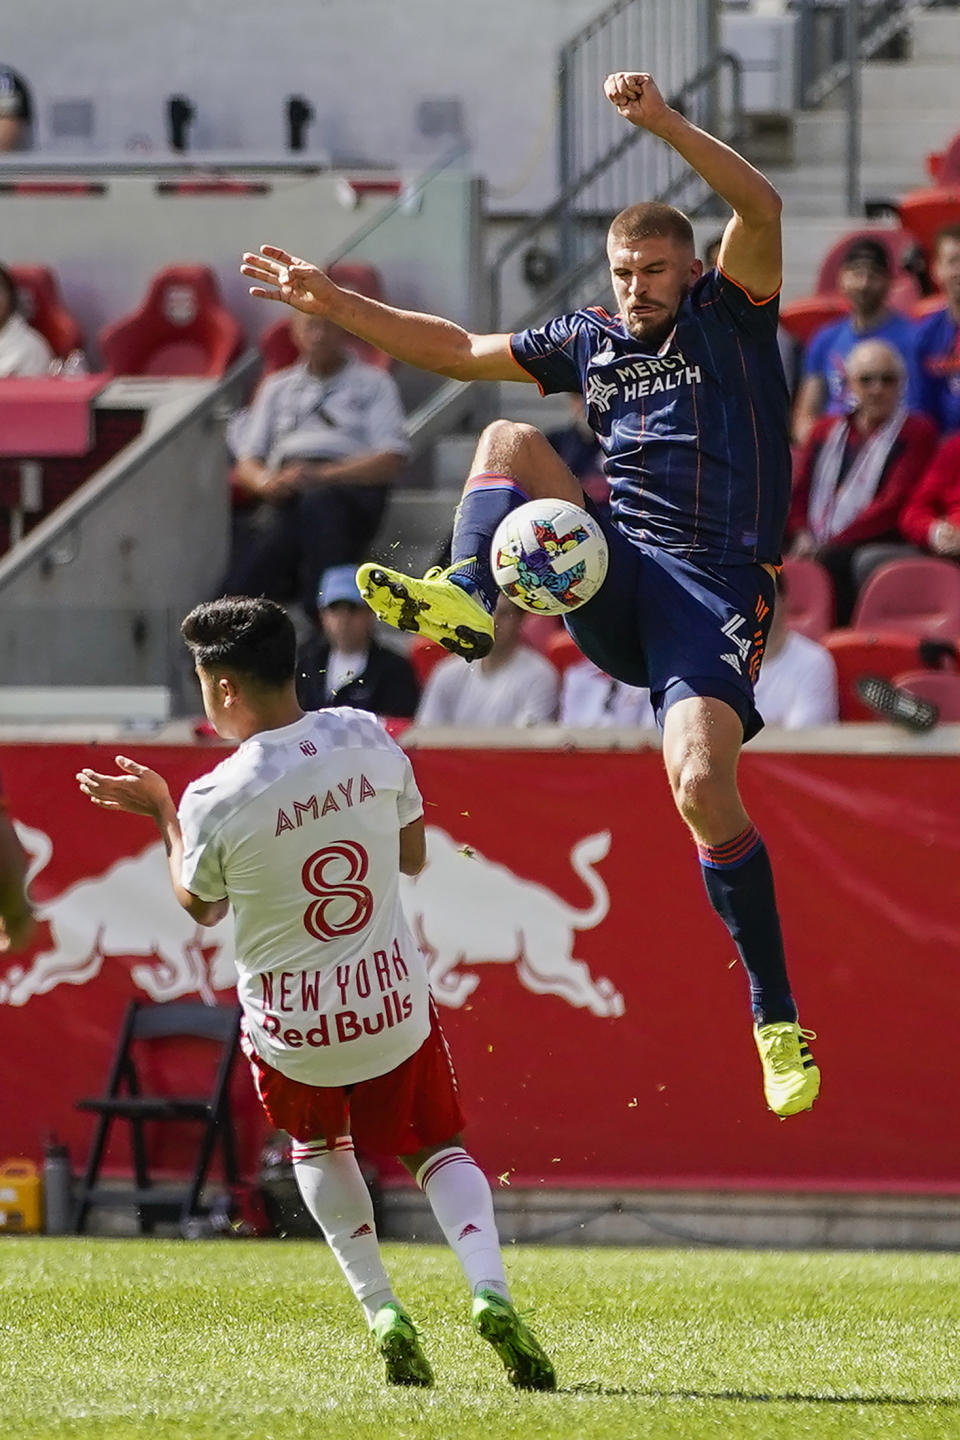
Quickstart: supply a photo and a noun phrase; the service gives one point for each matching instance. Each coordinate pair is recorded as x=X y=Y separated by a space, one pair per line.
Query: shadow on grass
x=789 y=1398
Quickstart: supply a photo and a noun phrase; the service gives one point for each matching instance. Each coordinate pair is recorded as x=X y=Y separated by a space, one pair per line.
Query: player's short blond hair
x=639 y=222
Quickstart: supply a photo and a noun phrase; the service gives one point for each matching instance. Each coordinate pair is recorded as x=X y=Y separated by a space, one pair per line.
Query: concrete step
x=895 y=85
x=416 y=529
x=805 y=242
x=936 y=35
x=886 y=137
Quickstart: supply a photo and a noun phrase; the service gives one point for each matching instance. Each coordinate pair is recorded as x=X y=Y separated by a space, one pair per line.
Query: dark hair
x=8 y=283
x=638 y=222
x=946 y=232
x=252 y=636
x=874 y=252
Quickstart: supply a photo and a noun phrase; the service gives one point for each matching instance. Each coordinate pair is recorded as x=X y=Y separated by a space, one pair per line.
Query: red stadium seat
x=944 y=169
x=423 y=655
x=940 y=687
x=562 y=651
x=913 y=597
x=277 y=347
x=924 y=212
x=808 y=592
x=538 y=631
x=180 y=329
x=43 y=309
x=897 y=243
x=857 y=653
x=804 y=317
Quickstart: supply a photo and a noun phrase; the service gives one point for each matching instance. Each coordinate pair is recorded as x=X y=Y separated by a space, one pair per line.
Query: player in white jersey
x=304 y=830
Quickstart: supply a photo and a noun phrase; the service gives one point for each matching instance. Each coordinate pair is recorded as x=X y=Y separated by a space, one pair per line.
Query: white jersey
x=299 y=828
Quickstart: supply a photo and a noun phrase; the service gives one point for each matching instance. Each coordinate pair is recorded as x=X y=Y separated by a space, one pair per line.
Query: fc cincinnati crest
x=599 y=394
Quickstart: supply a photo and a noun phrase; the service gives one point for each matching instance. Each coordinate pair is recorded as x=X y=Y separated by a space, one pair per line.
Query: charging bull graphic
x=126 y=913
x=465 y=910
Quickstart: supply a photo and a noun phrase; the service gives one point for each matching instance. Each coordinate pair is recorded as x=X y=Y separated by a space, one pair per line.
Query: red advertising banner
x=593 y=1002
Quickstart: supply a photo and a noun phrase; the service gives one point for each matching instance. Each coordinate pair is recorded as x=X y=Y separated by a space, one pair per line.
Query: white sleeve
x=437 y=701
x=409 y=801
x=541 y=693
x=815 y=700
x=202 y=870
x=386 y=422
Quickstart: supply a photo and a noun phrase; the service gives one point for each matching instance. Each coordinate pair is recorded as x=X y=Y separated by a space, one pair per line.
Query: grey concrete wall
x=364 y=65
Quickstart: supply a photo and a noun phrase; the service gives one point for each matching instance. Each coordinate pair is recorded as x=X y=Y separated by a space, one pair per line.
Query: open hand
x=636 y=97
x=139 y=791
x=282 y=276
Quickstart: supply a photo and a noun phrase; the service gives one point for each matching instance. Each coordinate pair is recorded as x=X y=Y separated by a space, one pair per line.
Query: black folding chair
x=124 y=1099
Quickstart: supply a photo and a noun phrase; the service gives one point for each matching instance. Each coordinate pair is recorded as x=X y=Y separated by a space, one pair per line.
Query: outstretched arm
x=750 y=252
x=140 y=791
x=427 y=341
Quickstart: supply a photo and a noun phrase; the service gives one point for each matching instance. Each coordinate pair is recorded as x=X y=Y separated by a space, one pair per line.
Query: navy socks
x=739 y=882
x=488 y=497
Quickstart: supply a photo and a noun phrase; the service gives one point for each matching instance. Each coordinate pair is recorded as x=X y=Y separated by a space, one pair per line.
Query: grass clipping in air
x=261 y=1340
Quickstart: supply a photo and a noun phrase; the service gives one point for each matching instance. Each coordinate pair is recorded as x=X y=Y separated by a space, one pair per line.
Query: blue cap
x=339 y=583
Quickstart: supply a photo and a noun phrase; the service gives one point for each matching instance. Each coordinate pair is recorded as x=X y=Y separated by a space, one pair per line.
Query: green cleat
x=434 y=607
x=527 y=1367
x=397 y=1342
x=791 y=1080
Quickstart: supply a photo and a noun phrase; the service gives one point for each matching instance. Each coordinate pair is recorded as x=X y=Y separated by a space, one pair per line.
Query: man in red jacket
x=857 y=471
x=931 y=517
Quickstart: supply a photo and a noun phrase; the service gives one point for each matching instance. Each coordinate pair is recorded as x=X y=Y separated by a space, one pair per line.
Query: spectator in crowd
x=797 y=685
x=931 y=517
x=16 y=911
x=23 y=351
x=588 y=696
x=711 y=251
x=864 y=280
x=16 y=111
x=579 y=449
x=343 y=665
x=936 y=349
x=513 y=685
x=318 y=452
x=856 y=472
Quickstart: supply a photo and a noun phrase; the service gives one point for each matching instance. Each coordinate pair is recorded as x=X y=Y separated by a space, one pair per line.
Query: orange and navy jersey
x=695 y=434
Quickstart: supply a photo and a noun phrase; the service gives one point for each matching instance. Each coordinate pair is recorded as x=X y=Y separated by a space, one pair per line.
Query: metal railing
x=835 y=37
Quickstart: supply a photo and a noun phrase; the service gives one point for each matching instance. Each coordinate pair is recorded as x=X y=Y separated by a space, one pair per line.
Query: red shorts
x=409 y=1108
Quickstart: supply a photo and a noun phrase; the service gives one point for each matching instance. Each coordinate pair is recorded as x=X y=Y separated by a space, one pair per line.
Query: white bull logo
x=126 y=913
x=467 y=910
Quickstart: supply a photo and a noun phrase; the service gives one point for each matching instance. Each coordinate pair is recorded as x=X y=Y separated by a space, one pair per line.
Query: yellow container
x=21 y=1196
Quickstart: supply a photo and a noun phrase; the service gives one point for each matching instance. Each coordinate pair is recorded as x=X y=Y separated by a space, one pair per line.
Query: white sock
x=335 y=1193
x=459 y=1196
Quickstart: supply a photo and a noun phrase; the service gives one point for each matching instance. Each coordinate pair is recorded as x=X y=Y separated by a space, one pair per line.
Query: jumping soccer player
x=685 y=391
x=305 y=830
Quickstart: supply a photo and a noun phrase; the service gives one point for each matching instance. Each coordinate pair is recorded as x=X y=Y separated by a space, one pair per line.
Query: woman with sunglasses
x=856 y=471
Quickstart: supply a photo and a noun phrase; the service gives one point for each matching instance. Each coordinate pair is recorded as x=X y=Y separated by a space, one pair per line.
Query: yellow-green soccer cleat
x=397 y=1342
x=434 y=607
x=791 y=1080
x=527 y=1367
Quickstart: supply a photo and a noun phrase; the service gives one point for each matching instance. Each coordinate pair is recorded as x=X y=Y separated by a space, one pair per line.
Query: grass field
x=179 y=1340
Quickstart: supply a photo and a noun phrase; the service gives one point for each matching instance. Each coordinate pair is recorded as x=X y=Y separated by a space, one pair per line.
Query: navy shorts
x=679 y=628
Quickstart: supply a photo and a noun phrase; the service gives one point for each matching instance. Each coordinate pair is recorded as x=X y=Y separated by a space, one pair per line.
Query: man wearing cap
x=864 y=281
x=343 y=665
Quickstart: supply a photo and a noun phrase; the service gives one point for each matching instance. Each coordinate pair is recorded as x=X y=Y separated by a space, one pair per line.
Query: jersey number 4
x=323 y=876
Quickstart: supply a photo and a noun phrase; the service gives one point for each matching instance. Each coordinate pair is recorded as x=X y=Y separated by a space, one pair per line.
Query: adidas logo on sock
x=468 y=1230
x=362 y=1230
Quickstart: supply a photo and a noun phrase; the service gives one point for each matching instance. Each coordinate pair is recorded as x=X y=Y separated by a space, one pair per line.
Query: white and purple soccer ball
x=549 y=556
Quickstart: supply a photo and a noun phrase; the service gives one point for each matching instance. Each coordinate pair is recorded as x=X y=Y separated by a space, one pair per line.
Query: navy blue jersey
x=695 y=434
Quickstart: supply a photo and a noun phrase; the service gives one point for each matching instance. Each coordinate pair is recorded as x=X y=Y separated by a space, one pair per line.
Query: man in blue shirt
x=864 y=281
x=685 y=390
x=936 y=345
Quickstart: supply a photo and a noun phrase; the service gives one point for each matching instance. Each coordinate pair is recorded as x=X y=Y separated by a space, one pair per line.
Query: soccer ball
x=549 y=556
